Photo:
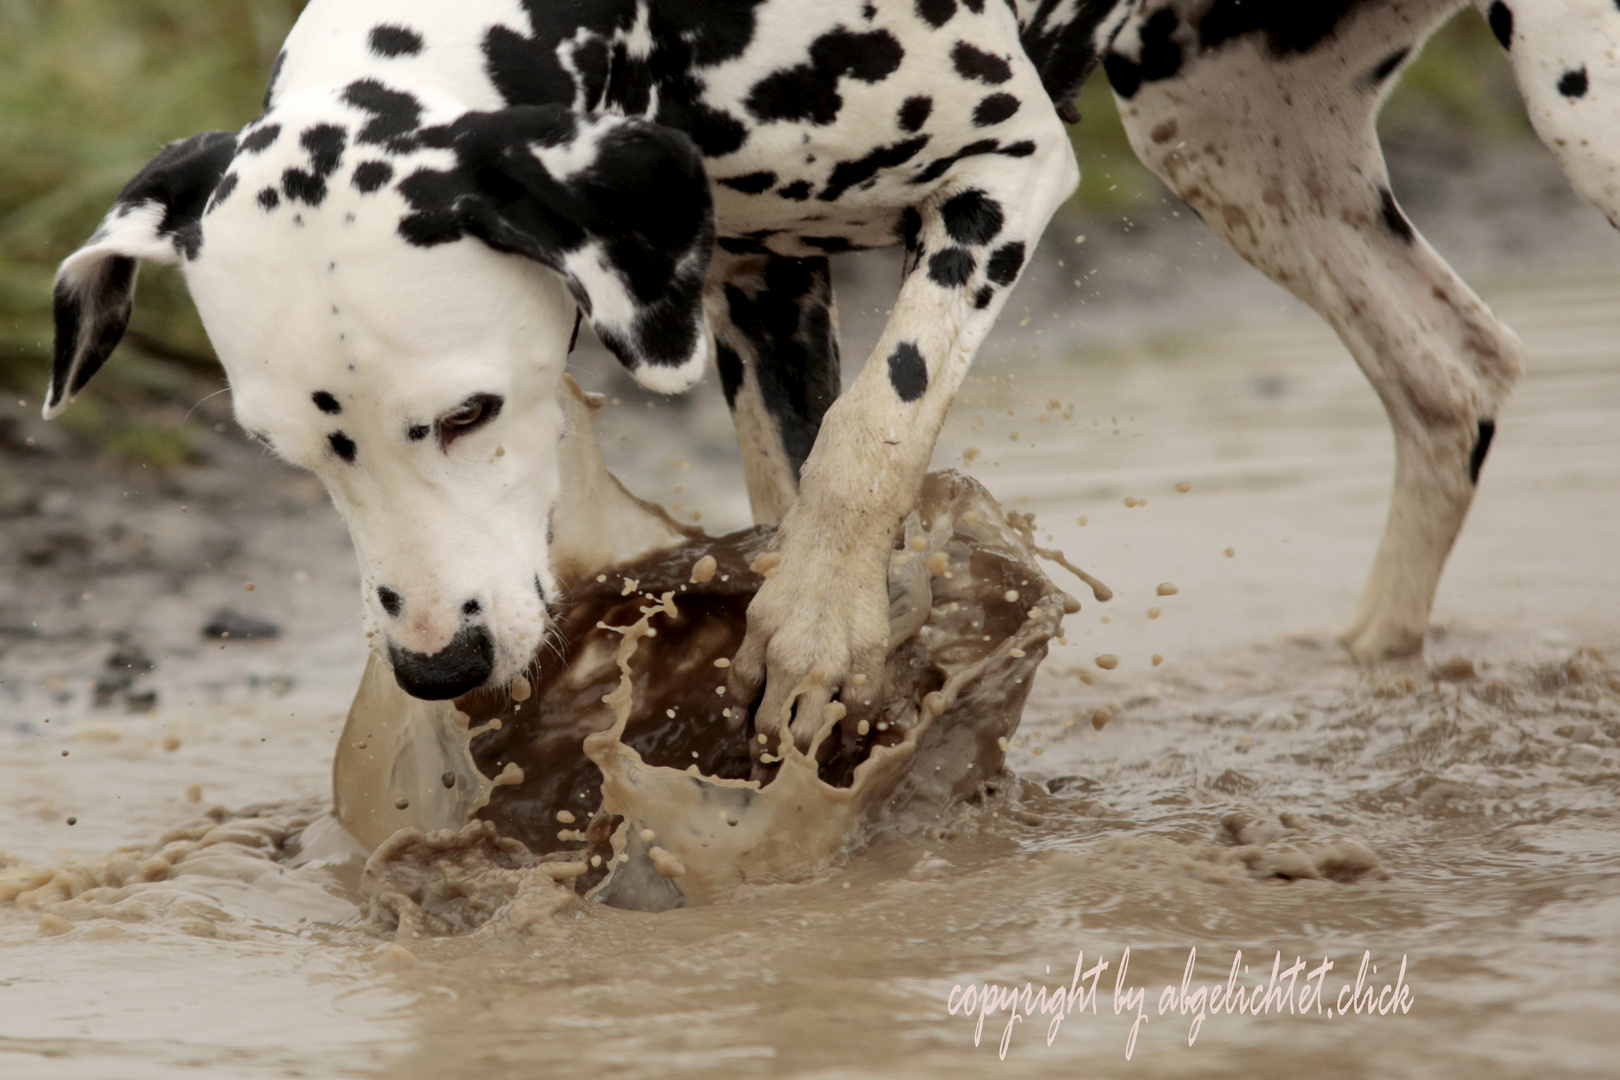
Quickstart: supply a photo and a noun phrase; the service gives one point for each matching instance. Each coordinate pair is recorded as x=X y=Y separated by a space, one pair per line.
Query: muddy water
x=1251 y=792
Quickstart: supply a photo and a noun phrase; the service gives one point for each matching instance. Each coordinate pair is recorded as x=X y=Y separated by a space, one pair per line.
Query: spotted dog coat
x=393 y=258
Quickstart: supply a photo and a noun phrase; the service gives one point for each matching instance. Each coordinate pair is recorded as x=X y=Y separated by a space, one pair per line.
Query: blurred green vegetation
x=91 y=89
x=89 y=92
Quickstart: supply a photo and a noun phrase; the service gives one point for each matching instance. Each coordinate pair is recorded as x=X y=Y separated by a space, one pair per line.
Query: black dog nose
x=464 y=665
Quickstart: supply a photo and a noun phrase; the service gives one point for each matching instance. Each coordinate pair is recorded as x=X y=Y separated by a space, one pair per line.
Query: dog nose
x=463 y=666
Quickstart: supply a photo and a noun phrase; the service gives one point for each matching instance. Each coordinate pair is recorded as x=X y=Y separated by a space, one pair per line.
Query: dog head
x=394 y=306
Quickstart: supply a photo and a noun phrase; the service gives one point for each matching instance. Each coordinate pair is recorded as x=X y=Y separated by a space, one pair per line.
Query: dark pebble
x=238 y=627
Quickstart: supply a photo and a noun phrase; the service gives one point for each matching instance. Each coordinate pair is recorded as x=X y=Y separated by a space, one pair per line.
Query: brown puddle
x=1228 y=805
x=625 y=771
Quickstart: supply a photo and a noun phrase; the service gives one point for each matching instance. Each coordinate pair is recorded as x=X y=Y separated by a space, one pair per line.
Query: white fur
x=128 y=231
x=1550 y=39
x=1295 y=191
x=416 y=332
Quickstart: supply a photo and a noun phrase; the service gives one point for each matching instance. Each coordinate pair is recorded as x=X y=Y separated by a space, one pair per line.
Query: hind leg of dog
x=776 y=344
x=1277 y=150
x=1564 y=58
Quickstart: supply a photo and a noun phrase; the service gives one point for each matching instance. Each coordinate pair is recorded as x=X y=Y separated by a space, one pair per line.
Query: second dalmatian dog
x=392 y=260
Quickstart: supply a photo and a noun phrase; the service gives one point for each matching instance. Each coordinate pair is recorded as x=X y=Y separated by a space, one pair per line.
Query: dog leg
x=1564 y=57
x=1271 y=139
x=776 y=335
x=819 y=627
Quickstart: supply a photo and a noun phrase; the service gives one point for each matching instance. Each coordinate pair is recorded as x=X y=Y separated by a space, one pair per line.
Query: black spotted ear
x=158 y=216
x=619 y=206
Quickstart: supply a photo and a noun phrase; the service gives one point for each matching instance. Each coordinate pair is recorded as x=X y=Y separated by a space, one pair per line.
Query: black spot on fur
x=261 y=139
x=1161 y=53
x=731 y=372
x=389 y=41
x=1005 y=264
x=472 y=608
x=1062 y=47
x=418 y=432
x=395 y=115
x=936 y=13
x=939 y=166
x=1161 y=56
x=914 y=111
x=846 y=174
x=910 y=227
x=301 y=186
x=908 y=372
x=1501 y=20
x=1394 y=220
x=1124 y=75
x=972 y=63
x=564 y=53
x=809 y=91
x=370 y=176
x=1574 y=83
x=994 y=109
x=750 y=183
x=326 y=403
x=631 y=88
x=1386 y=67
x=798 y=191
x=787 y=321
x=1482 y=446
x=223 y=191
x=275 y=77
x=1287 y=25
x=342 y=446
x=972 y=218
x=269 y=198
x=689 y=37
x=644 y=199
x=832 y=245
x=716 y=132
x=982 y=298
x=325 y=144
x=952 y=268
x=391 y=601
x=711 y=32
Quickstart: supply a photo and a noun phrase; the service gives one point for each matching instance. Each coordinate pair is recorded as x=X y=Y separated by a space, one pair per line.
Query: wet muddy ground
x=1252 y=791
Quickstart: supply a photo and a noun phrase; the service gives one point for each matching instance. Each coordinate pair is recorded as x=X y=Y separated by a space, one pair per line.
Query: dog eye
x=468 y=417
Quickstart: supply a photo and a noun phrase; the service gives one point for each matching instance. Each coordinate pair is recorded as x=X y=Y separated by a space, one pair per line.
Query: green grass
x=91 y=89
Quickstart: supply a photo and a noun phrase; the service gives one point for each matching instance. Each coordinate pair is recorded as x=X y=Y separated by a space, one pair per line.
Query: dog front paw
x=817 y=644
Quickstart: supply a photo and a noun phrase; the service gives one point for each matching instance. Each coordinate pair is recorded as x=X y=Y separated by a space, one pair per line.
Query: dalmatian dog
x=394 y=258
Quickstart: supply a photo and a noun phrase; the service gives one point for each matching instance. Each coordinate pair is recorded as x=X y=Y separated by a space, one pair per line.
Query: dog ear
x=158 y=216
x=620 y=207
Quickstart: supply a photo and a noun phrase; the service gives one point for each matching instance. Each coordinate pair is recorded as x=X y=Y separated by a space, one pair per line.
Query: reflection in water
x=1250 y=794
